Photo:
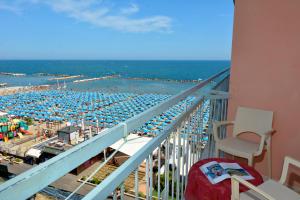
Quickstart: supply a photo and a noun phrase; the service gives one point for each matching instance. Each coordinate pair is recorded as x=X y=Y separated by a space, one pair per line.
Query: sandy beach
x=18 y=89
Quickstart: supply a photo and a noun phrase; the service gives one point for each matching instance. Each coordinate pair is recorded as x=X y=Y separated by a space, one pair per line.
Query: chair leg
x=269 y=157
x=250 y=161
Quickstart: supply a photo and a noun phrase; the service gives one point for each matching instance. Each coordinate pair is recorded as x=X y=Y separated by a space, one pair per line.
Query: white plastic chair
x=269 y=190
x=246 y=120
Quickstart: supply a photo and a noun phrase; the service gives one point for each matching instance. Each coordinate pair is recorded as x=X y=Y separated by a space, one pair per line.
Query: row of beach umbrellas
x=94 y=108
x=97 y=108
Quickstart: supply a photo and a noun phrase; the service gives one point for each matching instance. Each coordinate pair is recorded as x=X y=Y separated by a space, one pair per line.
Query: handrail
x=108 y=185
x=37 y=178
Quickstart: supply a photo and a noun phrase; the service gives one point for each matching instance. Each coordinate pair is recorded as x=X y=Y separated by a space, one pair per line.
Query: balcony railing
x=166 y=159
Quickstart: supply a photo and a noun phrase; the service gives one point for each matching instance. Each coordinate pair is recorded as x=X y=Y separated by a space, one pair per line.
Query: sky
x=116 y=29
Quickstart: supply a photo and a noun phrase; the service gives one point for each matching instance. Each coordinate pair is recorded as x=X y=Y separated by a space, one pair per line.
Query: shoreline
x=58 y=77
x=20 y=89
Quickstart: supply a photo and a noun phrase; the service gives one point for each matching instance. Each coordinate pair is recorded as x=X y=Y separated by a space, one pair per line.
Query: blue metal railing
x=117 y=178
x=32 y=181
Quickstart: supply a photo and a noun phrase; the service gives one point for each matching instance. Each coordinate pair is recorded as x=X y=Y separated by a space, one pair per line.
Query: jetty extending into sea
x=3 y=84
x=12 y=74
x=95 y=79
x=64 y=78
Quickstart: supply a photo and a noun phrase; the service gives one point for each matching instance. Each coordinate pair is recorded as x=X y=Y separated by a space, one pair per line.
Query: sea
x=154 y=76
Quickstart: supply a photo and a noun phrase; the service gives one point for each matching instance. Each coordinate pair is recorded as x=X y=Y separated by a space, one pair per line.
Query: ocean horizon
x=161 y=69
x=152 y=73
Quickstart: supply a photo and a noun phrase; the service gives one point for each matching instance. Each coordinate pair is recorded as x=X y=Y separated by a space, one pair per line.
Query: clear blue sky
x=116 y=29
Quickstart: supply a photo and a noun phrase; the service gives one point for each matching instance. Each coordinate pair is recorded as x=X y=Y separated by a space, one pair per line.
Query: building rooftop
x=69 y=129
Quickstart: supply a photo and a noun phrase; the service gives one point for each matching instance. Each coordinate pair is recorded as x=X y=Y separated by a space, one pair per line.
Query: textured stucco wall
x=265 y=70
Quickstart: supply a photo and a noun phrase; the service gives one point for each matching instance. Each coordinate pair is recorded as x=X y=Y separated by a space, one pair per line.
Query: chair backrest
x=252 y=120
x=287 y=161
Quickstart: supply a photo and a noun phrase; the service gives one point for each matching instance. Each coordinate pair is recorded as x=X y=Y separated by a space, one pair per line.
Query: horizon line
x=74 y=59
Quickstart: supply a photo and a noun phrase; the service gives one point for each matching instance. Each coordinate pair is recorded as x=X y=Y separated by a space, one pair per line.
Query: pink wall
x=265 y=70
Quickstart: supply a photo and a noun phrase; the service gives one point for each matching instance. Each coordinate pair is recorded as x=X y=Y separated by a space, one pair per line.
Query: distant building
x=69 y=134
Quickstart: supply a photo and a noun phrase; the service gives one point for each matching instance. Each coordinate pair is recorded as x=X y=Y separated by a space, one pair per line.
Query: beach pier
x=95 y=79
x=64 y=77
x=12 y=74
x=3 y=84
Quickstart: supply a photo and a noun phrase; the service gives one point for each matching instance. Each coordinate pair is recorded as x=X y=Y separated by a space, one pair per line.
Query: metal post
x=173 y=163
x=158 y=177
x=150 y=175
x=147 y=178
x=136 y=184
x=182 y=167
x=178 y=166
x=122 y=191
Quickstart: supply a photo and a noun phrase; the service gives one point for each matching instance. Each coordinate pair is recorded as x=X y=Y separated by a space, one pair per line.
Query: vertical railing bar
x=190 y=153
x=167 y=167
x=168 y=183
x=165 y=164
x=203 y=110
x=215 y=115
x=187 y=158
x=219 y=111
x=192 y=149
x=114 y=195
x=147 y=178
x=197 y=127
x=178 y=166
x=199 y=124
x=224 y=116
x=195 y=149
x=158 y=177
x=122 y=191
x=197 y=144
x=199 y=147
x=206 y=151
x=226 y=106
x=151 y=175
x=221 y=116
x=136 y=184
x=210 y=128
x=182 y=167
x=173 y=163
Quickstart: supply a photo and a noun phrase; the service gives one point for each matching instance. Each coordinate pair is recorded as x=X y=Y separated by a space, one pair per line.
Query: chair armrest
x=217 y=124
x=235 y=188
x=263 y=140
x=222 y=123
x=268 y=134
x=287 y=161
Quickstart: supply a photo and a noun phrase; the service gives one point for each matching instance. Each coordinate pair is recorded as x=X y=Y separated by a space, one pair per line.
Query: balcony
x=158 y=170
